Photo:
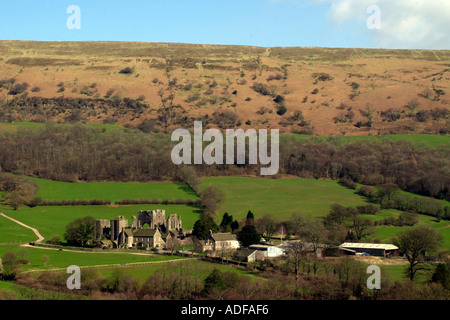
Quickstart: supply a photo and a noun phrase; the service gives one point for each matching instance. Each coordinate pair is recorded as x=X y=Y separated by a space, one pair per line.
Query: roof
x=128 y=232
x=244 y=253
x=145 y=232
x=368 y=246
x=224 y=237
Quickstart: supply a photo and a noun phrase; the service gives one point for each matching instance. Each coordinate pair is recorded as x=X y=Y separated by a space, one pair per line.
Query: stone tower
x=174 y=223
x=117 y=225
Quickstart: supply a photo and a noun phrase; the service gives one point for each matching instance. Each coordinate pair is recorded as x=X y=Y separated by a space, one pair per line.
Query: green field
x=11 y=232
x=64 y=259
x=53 y=220
x=196 y=268
x=15 y=125
x=426 y=140
x=113 y=191
x=281 y=197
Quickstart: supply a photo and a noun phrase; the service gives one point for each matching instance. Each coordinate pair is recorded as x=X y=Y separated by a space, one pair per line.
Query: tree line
x=77 y=152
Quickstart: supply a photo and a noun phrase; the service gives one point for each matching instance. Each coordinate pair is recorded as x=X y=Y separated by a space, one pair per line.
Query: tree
x=211 y=197
x=250 y=219
x=442 y=275
x=415 y=244
x=387 y=191
x=80 y=231
x=296 y=254
x=266 y=225
x=15 y=200
x=203 y=226
x=248 y=236
x=360 y=228
x=234 y=225
x=10 y=262
x=213 y=281
x=338 y=214
x=314 y=233
x=295 y=224
x=227 y=220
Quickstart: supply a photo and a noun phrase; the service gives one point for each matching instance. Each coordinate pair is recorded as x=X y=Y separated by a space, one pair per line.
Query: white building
x=267 y=251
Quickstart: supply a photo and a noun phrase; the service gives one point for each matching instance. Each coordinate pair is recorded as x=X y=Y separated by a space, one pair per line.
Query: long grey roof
x=368 y=246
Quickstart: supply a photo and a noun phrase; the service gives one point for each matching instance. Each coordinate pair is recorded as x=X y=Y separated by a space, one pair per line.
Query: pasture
x=281 y=197
x=113 y=191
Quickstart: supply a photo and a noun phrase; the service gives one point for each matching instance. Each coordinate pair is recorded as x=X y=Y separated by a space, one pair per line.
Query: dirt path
x=36 y=232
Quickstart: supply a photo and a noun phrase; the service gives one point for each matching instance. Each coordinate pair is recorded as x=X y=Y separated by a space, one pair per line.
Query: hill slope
x=308 y=90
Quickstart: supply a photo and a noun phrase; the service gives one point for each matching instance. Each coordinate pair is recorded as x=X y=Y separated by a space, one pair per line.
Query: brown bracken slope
x=320 y=91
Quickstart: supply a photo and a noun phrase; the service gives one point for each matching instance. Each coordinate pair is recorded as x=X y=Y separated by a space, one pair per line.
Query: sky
x=397 y=24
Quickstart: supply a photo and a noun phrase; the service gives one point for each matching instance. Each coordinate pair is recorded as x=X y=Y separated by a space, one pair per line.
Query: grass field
x=113 y=191
x=53 y=220
x=313 y=198
x=15 y=125
x=387 y=233
x=11 y=232
x=426 y=140
x=64 y=259
x=197 y=268
x=281 y=197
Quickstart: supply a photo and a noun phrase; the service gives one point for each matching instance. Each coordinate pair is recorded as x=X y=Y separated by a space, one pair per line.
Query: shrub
x=279 y=99
x=367 y=192
x=281 y=110
x=126 y=70
x=18 y=89
x=275 y=77
x=322 y=77
x=348 y=183
x=261 y=88
x=368 y=209
x=355 y=85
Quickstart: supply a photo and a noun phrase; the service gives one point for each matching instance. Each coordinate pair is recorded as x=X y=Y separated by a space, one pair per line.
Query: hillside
x=319 y=91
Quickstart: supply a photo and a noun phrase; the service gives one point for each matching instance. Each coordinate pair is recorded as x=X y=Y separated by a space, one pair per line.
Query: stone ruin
x=110 y=230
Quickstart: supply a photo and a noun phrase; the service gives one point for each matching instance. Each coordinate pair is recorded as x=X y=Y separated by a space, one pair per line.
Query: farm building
x=219 y=242
x=246 y=255
x=373 y=249
x=265 y=251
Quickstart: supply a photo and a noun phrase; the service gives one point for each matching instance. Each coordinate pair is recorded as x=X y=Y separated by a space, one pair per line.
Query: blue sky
x=246 y=22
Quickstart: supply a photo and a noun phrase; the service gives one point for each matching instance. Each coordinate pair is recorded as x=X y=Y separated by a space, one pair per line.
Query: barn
x=372 y=249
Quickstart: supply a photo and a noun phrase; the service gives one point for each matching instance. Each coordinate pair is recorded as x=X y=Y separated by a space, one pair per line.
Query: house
x=266 y=252
x=372 y=249
x=146 y=238
x=220 y=242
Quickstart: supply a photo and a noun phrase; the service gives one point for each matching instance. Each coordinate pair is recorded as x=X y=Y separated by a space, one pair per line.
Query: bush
x=368 y=209
x=322 y=77
x=367 y=192
x=261 y=88
x=348 y=183
x=281 y=110
x=18 y=89
x=126 y=70
x=275 y=77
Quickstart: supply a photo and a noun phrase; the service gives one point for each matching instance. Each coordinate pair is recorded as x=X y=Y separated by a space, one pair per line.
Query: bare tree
x=415 y=244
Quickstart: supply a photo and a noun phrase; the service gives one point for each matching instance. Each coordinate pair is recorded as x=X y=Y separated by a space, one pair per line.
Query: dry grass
x=386 y=78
